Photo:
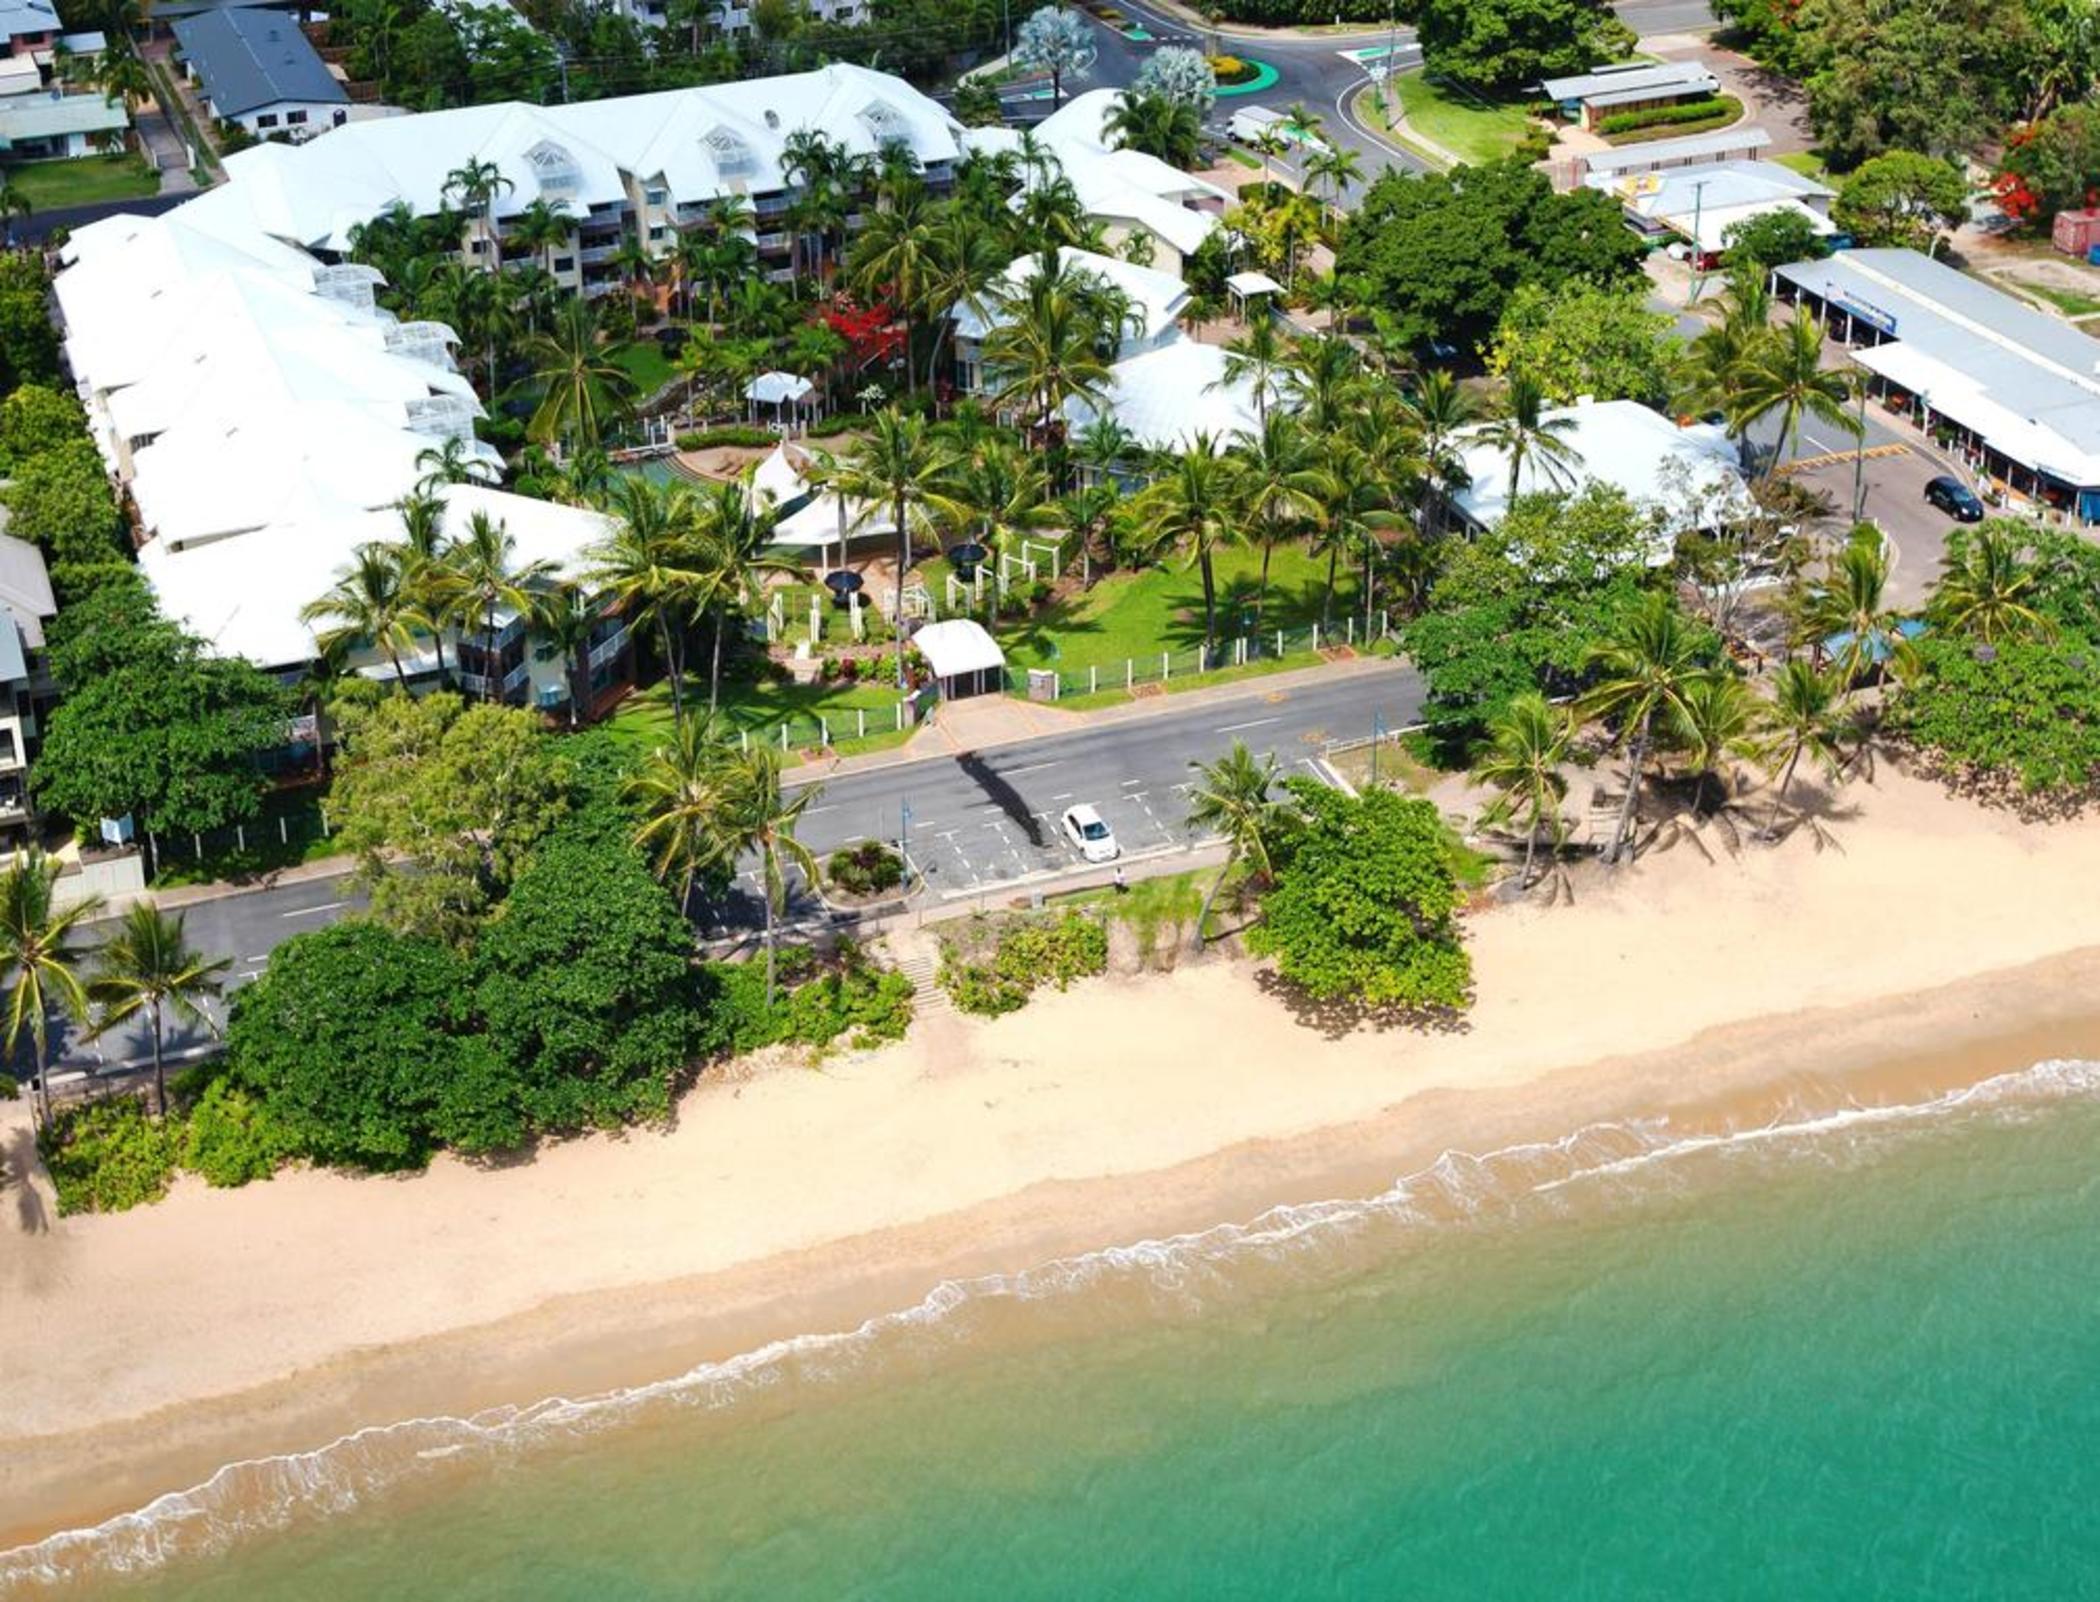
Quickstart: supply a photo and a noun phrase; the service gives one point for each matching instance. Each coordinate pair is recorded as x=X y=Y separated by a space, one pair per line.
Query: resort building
x=43 y=127
x=1667 y=155
x=2012 y=389
x=1151 y=302
x=1700 y=204
x=642 y=165
x=1133 y=195
x=1588 y=98
x=1165 y=398
x=1684 y=477
x=257 y=68
x=26 y=691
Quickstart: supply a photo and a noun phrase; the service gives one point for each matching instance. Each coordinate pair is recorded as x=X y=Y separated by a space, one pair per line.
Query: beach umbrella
x=843 y=584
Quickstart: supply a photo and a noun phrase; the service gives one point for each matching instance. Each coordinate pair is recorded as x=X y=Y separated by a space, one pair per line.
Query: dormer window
x=554 y=169
x=731 y=156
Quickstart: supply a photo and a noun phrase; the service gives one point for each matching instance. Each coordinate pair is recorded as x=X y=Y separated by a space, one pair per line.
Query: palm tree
x=752 y=813
x=1647 y=665
x=147 y=966
x=451 y=461
x=1802 y=721
x=896 y=259
x=732 y=535
x=967 y=259
x=1527 y=745
x=1437 y=412
x=901 y=466
x=1333 y=169
x=1279 y=484
x=36 y=953
x=564 y=616
x=542 y=229
x=1985 y=590
x=431 y=585
x=1232 y=797
x=1783 y=372
x=368 y=605
x=1260 y=358
x=1157 y=125
x=490 y=578
x=1848 y=605
x=1524 y=433
x=582 y=389
x=475 y=184
x=1191 y=507
x=1046 y=349
x=1718 y=719
x=648 y=568
x=676 y=796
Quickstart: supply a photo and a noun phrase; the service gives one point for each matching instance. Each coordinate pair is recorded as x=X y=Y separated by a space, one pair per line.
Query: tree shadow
x=1337 y=1018
x=1001 y=794
x=1044 y=632
x=17 y=1163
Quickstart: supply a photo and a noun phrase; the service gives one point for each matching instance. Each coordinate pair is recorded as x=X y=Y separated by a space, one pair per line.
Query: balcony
x=608 y=648
x=476 y=686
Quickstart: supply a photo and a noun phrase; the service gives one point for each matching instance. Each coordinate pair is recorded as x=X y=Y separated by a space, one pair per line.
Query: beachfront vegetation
x=991 y=965
x=1363 y=908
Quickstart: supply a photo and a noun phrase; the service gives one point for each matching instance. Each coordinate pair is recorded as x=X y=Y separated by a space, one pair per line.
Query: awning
x=1253 y=283
x=777 y=389
x=958 y=646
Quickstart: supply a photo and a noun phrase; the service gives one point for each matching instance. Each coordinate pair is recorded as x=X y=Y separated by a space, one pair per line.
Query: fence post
x=743 y=739
x=325 y=830
x=1093 y=680
x=1316 y=637
x=861 y=712
x=1350 y=621
x=1385 y=625
x=899 y=711
x=1279 y=642
x=240 y=837
x=783 y=736
x=1129 y=673
x=823 y=729
x=197 y=845
x=284 y=830
x=1166 y=666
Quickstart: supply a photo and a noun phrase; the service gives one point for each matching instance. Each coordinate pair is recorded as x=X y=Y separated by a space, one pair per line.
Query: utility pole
x=904 y=842
x=1698 y=253
x=1377 y=740
x=1392 y=47
x=1859 y=453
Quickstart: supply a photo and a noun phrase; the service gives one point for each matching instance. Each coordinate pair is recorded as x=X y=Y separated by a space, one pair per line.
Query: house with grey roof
x=27 y=26
x=40 y=127
x=1587 y=98
x=257 y=68
x=26 y=691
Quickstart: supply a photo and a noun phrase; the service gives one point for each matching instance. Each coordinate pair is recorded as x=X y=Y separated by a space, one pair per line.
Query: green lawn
x=645 y=363
x=52 y=185
x=1159 y=609
x=645 y=717
x=1473 y=130
x=2067 y=301
x=1808 y=163
x=287 y=833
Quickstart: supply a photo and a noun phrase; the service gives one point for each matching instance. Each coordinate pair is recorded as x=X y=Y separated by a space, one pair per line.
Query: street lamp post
x=1377 y=739
x=1859 y=453
x=1698 y=254
x=904 y=842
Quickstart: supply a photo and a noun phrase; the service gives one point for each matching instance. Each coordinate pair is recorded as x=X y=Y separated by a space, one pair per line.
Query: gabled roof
x=22 y=17
x=1155 y=298
x=1631 y=80
x=1167 y=397
x=251 y=58
x=1689 y=151
x=49 y=116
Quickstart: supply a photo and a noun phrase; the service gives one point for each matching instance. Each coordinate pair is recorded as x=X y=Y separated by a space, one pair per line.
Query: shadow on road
x=1001 y=794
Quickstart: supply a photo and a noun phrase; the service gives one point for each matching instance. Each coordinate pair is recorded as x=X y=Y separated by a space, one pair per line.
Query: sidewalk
x=986 y=723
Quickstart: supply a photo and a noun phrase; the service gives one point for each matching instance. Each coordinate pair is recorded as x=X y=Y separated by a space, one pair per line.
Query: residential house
x=1701 y=204
x=1588 y=98
x=28 y=28
x=257 y=68
x=46 y=126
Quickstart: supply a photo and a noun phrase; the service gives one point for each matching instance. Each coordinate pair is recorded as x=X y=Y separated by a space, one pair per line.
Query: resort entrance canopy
x=965 y=659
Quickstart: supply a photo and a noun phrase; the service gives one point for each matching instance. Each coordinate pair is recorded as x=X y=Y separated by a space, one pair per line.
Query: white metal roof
x=774 y=389
x=1692 y=150
x=1627 y=79
x=47 y=116
x=1156 y=298
x=1167 y=397
x=1253 y=283
x=958 y=645
x=1658 y=465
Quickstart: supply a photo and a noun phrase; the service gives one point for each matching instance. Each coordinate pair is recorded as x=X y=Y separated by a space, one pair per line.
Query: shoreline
x=1918 y=1045
x=1933 y=944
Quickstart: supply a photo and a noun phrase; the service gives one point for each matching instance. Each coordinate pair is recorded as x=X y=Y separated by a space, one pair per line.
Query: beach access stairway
x=920 y=962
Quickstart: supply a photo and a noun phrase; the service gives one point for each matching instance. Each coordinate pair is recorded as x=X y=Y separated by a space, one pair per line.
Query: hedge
x=1717 y=106
x=1289 y=13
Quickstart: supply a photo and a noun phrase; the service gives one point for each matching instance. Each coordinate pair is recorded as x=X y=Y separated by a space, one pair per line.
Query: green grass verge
x=1161 y=911
x=644 y=718
x=2067 y=301
x=54 y=185
x=1808 y=163
x=645 y=363
x=1473 y=130
x=268 y=850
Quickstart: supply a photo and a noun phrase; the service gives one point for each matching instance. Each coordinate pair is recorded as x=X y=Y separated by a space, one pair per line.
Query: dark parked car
x=1954 y=498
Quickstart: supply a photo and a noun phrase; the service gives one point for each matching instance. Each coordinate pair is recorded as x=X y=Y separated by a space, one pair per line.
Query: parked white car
x=1090 y=833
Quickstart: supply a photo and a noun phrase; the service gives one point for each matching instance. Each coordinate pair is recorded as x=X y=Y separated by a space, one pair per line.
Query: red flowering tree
x=2051 y=166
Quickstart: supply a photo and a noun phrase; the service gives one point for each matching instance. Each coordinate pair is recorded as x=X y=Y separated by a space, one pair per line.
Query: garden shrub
x=8 y=1088
x=812 y=1006
x=231 y=1139
x=744 y=434
x=109 y=1156
x=866 y=869
x=1707 y=110
x=1025 y=953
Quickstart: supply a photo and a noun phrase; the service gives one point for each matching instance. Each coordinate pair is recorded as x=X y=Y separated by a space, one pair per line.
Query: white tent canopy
x=778 y=389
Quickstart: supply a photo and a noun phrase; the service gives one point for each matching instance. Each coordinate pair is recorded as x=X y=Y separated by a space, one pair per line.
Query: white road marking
x=1033 y=767
x=1065 y=797
x=260 y=956
x=307 y=912
x=1255 y=723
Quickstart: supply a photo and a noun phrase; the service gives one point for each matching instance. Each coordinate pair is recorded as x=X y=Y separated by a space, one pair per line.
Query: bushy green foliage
x=61 y=501
x=1902 y=199
x=230 y=1139
x=1024 y=953
x=38 y=418
x=1772 y=239
x=865 y=869
x=1512 y=44
x=2052 y=165
x=2023 y=712
x=585 y=987
x=1586 y=339
x=850 y=998
x=109 y=1156
x=1442 y=253
x=1296 y=13
x=1363 y=909
x=8 y=1088
x=1712 y=109
x=28 y=341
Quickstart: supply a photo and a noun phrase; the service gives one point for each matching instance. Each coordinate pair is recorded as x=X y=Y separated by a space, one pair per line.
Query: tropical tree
x=753 y=814
x=450 y=461
x=582 y=390
x=1801 y=721
x=1784 y=373
x=732 y=535
x=1056 y=41
x=1437 y=412
x=1046 y=349
x=1527 y=746
x=1279 y=484
x=1646 y=667
x=368 y=604
x=1157 y=125
x=900 y=466
x=648 y=569
x=1986 y=590
x=37 y=956
x=1191 y=507
x=1846 y=611
x=147 y=966
x=490 y=579
x=1329 y=171
x=563 y=615
x=676 y=796
x=1234 y=797
x=542 y=229
x=1259 y=358
x=14 y=203
x=1523 y=432
x=476 y=185
x=1719 y=719
x=896 y=258
x=432 y=588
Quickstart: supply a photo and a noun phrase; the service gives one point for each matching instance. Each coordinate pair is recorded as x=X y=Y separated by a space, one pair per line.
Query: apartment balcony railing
x=477 y=684
x=608 y=648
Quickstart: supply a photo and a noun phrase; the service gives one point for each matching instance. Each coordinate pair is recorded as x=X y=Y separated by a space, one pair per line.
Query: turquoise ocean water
x=1856 y=1355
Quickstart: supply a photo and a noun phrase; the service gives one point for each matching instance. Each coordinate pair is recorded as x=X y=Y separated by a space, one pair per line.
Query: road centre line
x=307 y=912
x=1255 y=723
x=1033 y=767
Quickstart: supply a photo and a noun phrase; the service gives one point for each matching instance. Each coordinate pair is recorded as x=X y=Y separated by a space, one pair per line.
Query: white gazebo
x=786 y=395
x=1248 y=287
x=965 y=659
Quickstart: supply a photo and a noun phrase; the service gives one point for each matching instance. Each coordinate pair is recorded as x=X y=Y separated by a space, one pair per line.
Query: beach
x=1928 y=942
